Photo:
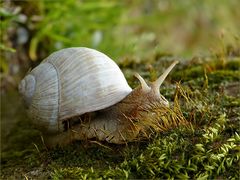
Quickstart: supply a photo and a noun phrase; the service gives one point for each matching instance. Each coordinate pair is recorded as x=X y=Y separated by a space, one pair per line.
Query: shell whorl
x=71 y=82
x=27 y=88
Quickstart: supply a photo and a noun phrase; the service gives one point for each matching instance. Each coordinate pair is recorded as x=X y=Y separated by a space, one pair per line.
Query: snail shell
x=69 y=83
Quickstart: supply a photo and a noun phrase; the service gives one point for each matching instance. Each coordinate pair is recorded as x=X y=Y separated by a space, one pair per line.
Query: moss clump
x=213 y=69
x=180 y=153
x=223 y=76
x=234 y=64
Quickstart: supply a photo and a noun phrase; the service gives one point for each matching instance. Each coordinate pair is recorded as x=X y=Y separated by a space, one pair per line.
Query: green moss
x=188 y=73
x=181 y=153
x=234 y=64
x=206 y=149
x=223 y=76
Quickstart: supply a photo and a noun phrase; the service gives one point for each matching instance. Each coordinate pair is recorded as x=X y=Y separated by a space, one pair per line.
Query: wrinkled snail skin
x=84 y=84
x=111 y=124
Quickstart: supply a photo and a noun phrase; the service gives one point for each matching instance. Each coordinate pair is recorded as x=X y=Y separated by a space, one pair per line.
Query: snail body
x=80 y=93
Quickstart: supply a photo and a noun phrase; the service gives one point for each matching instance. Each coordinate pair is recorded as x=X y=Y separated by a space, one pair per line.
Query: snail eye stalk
x=159 y=81
x=144 y=85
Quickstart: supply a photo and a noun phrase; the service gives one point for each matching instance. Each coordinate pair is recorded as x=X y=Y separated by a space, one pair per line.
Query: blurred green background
x=142 y=36
x=31 y=30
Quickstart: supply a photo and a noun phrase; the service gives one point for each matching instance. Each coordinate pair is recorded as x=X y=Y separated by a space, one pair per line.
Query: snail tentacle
x=156 y=84
x=144 y=85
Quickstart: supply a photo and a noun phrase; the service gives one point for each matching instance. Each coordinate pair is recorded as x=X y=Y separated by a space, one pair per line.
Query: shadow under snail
x=80 y=93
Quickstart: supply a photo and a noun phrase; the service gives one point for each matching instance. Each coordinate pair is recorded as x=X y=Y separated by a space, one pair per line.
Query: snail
x=80 y=93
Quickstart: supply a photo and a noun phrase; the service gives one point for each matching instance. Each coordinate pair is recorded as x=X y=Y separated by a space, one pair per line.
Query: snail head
x=152 y=91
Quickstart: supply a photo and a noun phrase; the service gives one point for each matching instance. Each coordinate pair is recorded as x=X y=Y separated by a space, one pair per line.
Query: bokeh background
x=129 y=31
